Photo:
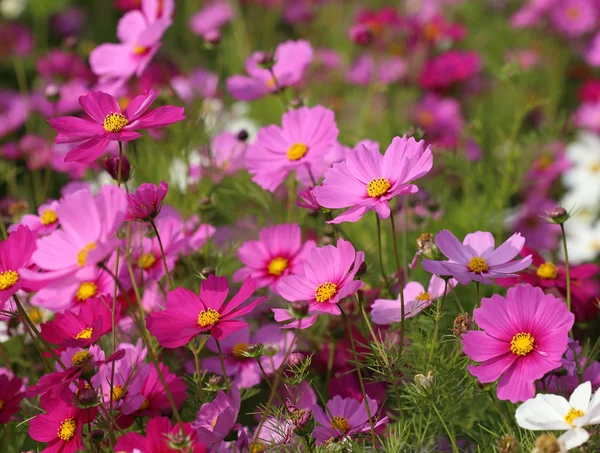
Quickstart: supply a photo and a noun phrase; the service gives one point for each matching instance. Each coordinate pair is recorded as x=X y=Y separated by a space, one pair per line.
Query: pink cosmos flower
x=587 y=116
x=211 y=18
x=155 y=398
x=574 y=18
x=199 y=84
x=188 y=315
x=158 y=432
x=441 y=119
x=387 y=71
x=328 y=277
x=140 y=33
x=592 y=56
x=15 y=255
x=61 y=426
x=11 y=396
x=549 y=164
x=345 y=417
x=416 y=299
x=448 y=68
x=216 y=419
x=524 y=336
x=44 y=223
x=145 y=203
x=307 y=199
x=366 y=180
x=244 y=371
x=306 y=135
x=228 y=151
x=126 y=387
x=15 y=40
x=108 y=123
x=299 y=320
x=84 y=328
x=14 y=111
x=196 y=234
x=529 y=221
x=278 y=253
x=531 y=13
x=477 y=259
x=35 y=150
x=291 y=60
x=88 y=226
x=589 y=91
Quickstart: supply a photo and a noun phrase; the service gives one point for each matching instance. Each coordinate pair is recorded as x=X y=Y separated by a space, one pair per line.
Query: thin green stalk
x=478 y=294
x=225 y=378
x=380 y=252
x=567 y=268
x=292 y=192
x=404 y=236
x=399 y=271
x=3 y=228
x=360 y=378
x=438 y=317
x=5 y=358
x=448 y=433
x=162 y=254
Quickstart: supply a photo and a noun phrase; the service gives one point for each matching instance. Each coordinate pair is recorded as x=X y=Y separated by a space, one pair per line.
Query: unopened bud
x=425 y=384
x=427 y=247
x=295 y=359
x=215 y=380
x=212 y=38
x=547 y=443
x=296 y=103
x=462 y=324
x=558 y=215
x=111 y=165
x=508 y=444
x=299 y=309
x=254 y=350
x=52 y=93
x=96 y=436
x=208 y=270
x=361 y=34
x=242 y=135
x=87 y=397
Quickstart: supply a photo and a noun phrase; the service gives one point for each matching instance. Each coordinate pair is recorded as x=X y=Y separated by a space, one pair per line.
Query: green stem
x=478 y=295
x=380 y=252
x=225 y=378
x=567 y=268
x=162 y=254
x=438 y=317
x=448 y=433
x=399 y=271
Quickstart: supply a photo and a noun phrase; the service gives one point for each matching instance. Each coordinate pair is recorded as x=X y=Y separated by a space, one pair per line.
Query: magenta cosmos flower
x=10 y=396
x=15 y=254
x=328 y=277
x=155 y=397
x=366 y=180
x=416 y=299
x=300 y=145
x=345 y=417
x=477 y=259
x=291 y=60
x=278 y=253
x=448 y=68
x=188 y=315
x=524 y=336
x=210 y=19
x=108 y=123
x=146 y=202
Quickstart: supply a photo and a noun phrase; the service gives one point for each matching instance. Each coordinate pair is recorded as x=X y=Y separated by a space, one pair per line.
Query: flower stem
x=399 y=271
x=162 y=254
x=225 y=378
x=478 y=295
x=438 y=317
x=359 y=372
x=448 y=433
x=567 y=267
x=380 y=252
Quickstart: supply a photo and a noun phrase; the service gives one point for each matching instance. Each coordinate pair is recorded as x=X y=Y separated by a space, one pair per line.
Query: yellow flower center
x=214 y=423
x=85 y=334
x=8 y=279
x=423 y=296
x=573 y=414
x=271 y=83
x=86 y=290
x=81 y=358
x=139 y=50
x=35 y=314
x=340 y=423
x=118 y=392
x=325 y=291
x=66 y=430
x=431 y=30
x=522 y=344
x=425 y=118
x=239 y=348
x=297 y=151
x=146 y=261
x=82 y=255
x=48 y=217
x=378 y=187
x=257 y=447
x=277 y=266
x=115 y=122
x=544 y=162
x=477 y=265
x=145 y=405
x=547 y=271
x=594 y=167
x=208 y=317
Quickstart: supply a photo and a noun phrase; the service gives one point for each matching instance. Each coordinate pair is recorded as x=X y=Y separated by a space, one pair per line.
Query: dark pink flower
x=107 y=123
x=153 y=391
x=216 y=419
x=145 y=203
x=448 y=68
x=10 y=396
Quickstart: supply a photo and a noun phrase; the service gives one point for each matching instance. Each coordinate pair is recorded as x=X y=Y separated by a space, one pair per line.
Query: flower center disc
x=547 y=271
x=81 y=358
x=85 y=334
x=297 y=151
x=86 y=290
x=478 y=265
x=66 y=430
x=277 y=266
x=48 y=217
x=82 y=255
x=208 y=317
x=573 y=414
x=118 y=392
x=325 y=291
x=115 y=122
x=239 y=348
x=146 y=261
x=423 y=296
x=340 y=423
x=378 y=187
x=522 y=344
x=8 y=279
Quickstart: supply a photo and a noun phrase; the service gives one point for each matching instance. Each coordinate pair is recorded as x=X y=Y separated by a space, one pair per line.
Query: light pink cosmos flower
x=15 y=255
x=145 y=203
x=188 y=315
x=345 y=417
x=574 y=18
x=278 y=253
x=199 y=84
x=300 y=144
x=228 y=151
x=524 y=336
x=365 y=70
x=477 y=259
x=140 y=33
x=291 y=60
x=366 y=180
x=216 y=419
x=531 y=13
x=44 y=223
x=328 y=277
x=587 y=116
x=211 y=18
x=416 y=299
x=108 y=123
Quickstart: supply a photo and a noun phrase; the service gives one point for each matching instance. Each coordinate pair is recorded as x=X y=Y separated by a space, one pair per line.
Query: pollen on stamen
x=297 y=151
x=478 y=265
x=208 y=317
x=325 y=291
x=66 y=430
x=340 y=423
x=86 y=290
x=277 y=266
x=48 y=217
x=83 y=253
x=146 y=261
x=85 y=334
x=547 y=271
x=424 y=296
x=522 y=344
x=115 y=122
x=378 y=187
x=8 y=279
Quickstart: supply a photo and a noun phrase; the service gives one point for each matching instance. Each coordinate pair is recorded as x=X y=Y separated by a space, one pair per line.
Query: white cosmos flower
x=555 y=413
x=583 y=177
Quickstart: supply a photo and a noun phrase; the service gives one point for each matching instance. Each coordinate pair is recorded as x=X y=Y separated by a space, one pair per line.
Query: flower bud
x=547 y=443
x=425 y=384
x=204 y=201
x=299 y=309
x=96 y=436
x=86 y=397
x=302 y=420
x=462 y=324
x=208 y=270
x=295 y=359
x=111 y=165
x=215 y=380
x=296 y=103
x=427 y=247
x=242 y=135
x=212 y=38
x=362 y=270
x=558 y=215
x=508 y=444
x=360 y=34
x=254 y=351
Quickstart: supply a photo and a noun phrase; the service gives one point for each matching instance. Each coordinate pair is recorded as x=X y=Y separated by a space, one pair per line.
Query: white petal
x=574 y=437
x=544 y=412
x=580 y=398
